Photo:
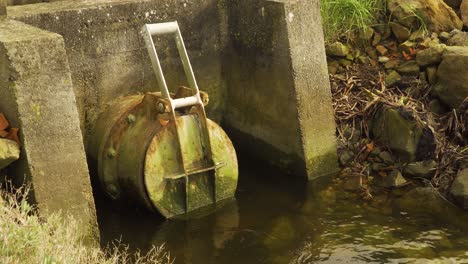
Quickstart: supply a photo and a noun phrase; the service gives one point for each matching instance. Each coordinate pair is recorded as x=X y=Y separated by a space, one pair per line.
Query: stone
x=418 y=35
x=424 y=200
x=36 y=95
x=333 y=66
x=396 y=129
x=459 y=188
x=431 y=74
x=393 y=180
x=392 y=78
x=352 y=183
x=346 y=157
x=444 y=36
x=408 y=68
x=377 y=166
x=363 y=59
x=458 y=38
x=392 y=64
x=421 y=169
x=452 y=75
x=436 y=107
x=386 y=157
x=430 y=56
x=406 y=46
x=376 y=151
x=366 y=34
x=436 y=15
x=345 y=62
x=381 y=50
x=297 y=132
x=383 y=59
x=372 y=53
x=401 y=33
x=429 y=42
x=464 y=12
x=338 y=49
x=9 y=152
x=377 y=38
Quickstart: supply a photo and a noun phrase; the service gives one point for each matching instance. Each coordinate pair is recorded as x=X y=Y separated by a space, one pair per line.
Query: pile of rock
x=9 y=143
x=342 y=55
x=421 y=51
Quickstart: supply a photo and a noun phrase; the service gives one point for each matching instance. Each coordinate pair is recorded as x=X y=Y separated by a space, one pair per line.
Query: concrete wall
x=279 y=94
x=107 y=55
x=36 y=95
x=263 y=63
x=22 y=2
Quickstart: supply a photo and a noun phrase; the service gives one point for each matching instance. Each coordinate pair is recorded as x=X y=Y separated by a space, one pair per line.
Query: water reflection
x=278 y=220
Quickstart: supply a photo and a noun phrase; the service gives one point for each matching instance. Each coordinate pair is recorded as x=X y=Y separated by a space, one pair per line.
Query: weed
x=343 y=18
x=27 y=238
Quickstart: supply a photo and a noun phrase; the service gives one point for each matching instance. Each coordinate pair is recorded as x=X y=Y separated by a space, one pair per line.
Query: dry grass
x=26 y=238
x=360 y=91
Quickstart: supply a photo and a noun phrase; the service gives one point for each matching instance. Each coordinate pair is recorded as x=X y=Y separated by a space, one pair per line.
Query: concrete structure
x=279 y=98
x=36 y=95
x=3 y=10
x=107 y=55
x=262 y=62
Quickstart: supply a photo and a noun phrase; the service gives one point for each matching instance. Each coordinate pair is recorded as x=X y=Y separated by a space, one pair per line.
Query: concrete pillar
x=36 y=95
x=3 y=10
x=279 y=97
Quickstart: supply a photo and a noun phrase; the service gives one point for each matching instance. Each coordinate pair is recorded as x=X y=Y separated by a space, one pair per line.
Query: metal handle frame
x=151 y=30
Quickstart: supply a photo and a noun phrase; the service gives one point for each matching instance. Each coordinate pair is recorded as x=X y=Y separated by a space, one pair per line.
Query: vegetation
x=26 y=238
x=344 y=18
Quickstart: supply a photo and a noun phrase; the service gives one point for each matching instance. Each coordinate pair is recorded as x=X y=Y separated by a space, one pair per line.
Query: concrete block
x=3 y=10
x=36 y=95
x=107 y=55
x=278 y=87
x=23 y=2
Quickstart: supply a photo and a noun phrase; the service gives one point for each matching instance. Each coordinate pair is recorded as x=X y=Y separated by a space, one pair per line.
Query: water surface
x=276 y=219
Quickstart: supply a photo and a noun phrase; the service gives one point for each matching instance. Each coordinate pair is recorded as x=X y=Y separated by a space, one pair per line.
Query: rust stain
x=7 y=132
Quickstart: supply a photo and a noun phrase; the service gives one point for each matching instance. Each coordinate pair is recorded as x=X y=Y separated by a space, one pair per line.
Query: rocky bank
x=401 y=101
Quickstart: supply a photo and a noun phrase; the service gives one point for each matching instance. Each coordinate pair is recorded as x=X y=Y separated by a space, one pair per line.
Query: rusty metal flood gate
x=160 y=149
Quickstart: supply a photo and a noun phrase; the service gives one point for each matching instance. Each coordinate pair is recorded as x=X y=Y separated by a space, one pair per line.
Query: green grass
x=343 y=18
x=27 y=238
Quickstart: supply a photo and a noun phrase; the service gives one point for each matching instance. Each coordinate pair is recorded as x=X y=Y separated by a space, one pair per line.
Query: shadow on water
x=275 y=219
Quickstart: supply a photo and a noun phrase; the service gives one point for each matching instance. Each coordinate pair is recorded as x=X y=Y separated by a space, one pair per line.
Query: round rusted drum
x=144 y=155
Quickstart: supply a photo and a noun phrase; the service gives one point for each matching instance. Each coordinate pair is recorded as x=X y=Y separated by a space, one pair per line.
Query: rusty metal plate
x=175 y=191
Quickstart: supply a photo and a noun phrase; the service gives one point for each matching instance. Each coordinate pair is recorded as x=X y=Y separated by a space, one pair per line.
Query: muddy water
x=274 y=220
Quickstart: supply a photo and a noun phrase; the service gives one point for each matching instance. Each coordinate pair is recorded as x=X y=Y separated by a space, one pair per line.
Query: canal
x=278 y=220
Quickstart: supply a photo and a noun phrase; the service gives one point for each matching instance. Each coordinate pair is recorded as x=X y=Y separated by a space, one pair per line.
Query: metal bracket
x=172 y=28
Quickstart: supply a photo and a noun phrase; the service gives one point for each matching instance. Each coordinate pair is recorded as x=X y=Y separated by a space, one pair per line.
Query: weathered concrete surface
x=3 y=10
x=107 y=55
x=23 y=2
x=36 y=95
x=279 y=98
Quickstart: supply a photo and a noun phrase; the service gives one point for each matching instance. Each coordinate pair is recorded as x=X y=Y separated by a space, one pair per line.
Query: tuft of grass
x=344 y=18
x=27 y=238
